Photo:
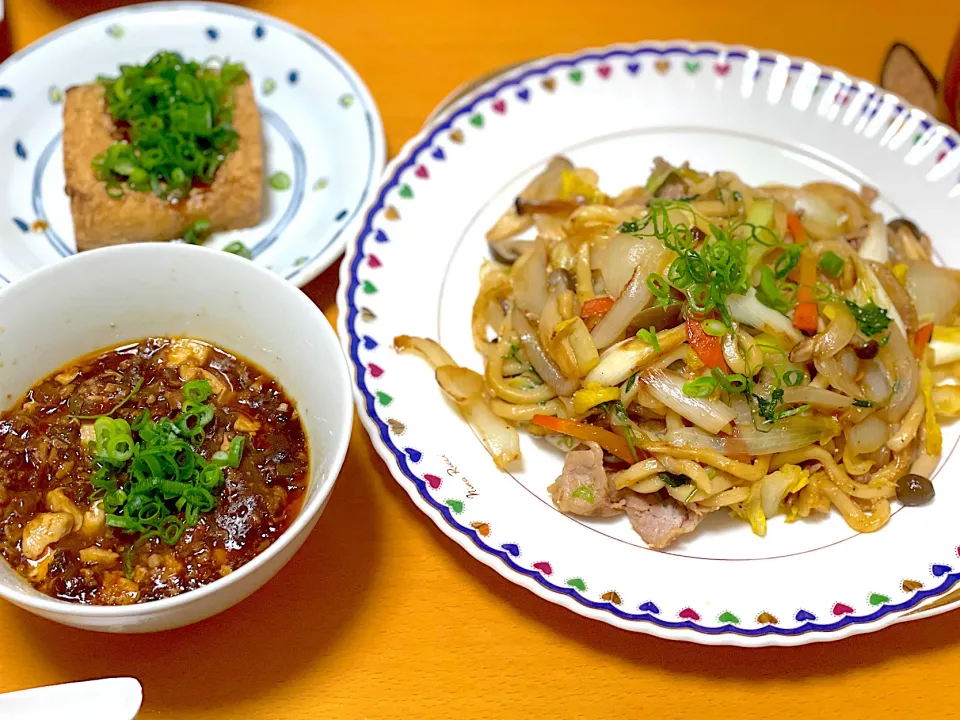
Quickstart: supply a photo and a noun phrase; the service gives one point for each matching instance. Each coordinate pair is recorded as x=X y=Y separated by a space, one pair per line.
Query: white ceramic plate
x=413 y=270
x=320 y=126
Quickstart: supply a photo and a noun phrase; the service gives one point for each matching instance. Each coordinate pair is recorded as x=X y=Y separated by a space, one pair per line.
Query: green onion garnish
x=197 y=232
x=177 y=121
x=238 y=248
x=733 y=384
x=792 y=378
x=714 y=327
x=280 y=181
x=649 y=337
x=831 y=263
x=701 y=387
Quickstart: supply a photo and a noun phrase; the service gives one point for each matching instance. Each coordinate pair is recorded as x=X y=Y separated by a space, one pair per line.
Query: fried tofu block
x=233 y=201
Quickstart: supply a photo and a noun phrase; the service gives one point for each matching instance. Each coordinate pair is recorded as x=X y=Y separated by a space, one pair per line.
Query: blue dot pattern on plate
x=293 y=77
x=20 y=150
x=259 y=31
x=341 y=215
x=21 y=224
x=6 y=93
x=212 y=33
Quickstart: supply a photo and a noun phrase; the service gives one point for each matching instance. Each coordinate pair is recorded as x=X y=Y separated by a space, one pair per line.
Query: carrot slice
x=805 y=315
x=609 y=441
x=596 y=306
x=706 y=346
x=921 y=340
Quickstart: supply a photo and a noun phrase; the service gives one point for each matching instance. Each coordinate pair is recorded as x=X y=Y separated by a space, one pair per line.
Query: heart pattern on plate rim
x=434 y=481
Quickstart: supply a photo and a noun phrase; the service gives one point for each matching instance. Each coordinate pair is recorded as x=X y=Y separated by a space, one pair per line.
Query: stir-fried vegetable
x=611 y=442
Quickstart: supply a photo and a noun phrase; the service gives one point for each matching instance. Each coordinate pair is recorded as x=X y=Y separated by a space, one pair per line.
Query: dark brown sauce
x=41 y=452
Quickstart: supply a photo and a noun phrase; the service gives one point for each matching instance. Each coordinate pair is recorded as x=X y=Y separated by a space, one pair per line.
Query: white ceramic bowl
x=106 y=297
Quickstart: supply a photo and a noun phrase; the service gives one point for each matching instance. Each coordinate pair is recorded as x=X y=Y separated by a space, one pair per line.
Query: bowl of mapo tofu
x=173 y=420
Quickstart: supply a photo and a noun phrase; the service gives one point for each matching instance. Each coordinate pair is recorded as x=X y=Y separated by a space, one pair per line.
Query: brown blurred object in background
x=6 y=41
x=905 y=74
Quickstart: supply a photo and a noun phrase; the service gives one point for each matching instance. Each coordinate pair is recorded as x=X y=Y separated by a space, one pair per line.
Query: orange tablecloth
x=379 y=615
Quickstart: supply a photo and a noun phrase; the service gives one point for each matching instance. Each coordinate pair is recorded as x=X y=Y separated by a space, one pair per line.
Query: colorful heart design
x=481 y=527
x=422 y=172
x=940 y=156
x=477 y=120
x=512 y=548
x=369 y=288
x=381 y=237
x=523 y=94
x=6 y=93
x=576 y=76
x=721 y=69
x=438 y=154
x=384 y=399
x=500 y=106
x=456 y=136
x=549 y=84
x=692 y=66
x=689 y=614
x=649 y=607
x=375 y=370
x=434 y=481
x=22 y=224
x=940 y=570
x=373 y=261
x=611 y=597
x=766 y=618
x=20 y=150
x=369 y=343
x=406 y=191
x=804 y=616
x=414 y=455
x=391 y=213
x=455 y=505
x=911 y=585
x=878 y=599
x=543 y=567
x=578 y=584
x=662 y=66
x=367 y=315
x=604 y=71
x=729 y=617
x=842 y=609
x=633 y=68
x=397 y=427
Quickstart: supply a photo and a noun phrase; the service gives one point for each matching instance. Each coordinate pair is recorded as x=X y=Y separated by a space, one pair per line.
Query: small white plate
x=413 y=269
x=320 y=126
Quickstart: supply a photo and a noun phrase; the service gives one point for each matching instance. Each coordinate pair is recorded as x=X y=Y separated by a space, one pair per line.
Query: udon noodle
x=700 y=344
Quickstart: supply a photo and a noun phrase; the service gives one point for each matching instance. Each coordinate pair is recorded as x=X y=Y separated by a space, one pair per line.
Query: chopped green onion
x=714 y=327
x=733 y=384
x=280 y=181
x=857 y=402
x=831 y=263
x=672 y=480
x=238 y=248
x=230 y=458
x=769 y=294
x=631 y=381
x=649 y=337
x=197 y=232
x=701 y=387
x=793 y=377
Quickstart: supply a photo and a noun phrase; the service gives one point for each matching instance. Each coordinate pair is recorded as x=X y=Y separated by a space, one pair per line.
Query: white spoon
x=107 y=699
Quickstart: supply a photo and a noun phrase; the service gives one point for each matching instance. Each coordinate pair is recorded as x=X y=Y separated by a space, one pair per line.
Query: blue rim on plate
x=318 y=259
x=353 y=338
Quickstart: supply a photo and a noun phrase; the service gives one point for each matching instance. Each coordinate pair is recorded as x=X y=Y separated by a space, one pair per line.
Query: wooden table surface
x=381 y=616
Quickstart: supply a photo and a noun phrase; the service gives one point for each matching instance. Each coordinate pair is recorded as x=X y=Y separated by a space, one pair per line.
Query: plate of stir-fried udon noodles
x=670 y=335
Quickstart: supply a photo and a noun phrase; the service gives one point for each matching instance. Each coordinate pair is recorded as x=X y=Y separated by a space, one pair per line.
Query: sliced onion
x=631 y=301
x=837 y=335
x=788 y=434
x=874 y=246
x=866 y=436
x=620 y=361
x=831 y=369
x=818 y=397
x=904 y=373
x=935 y=291
x=541 y=362
x=876 y=386
x=545 y=186
x=667 y=387
x=529 y=277
x=623 y=254
x=750 y=311
x=429 y=350
x=869 y=288
x=898 y=296
x=499 y=438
